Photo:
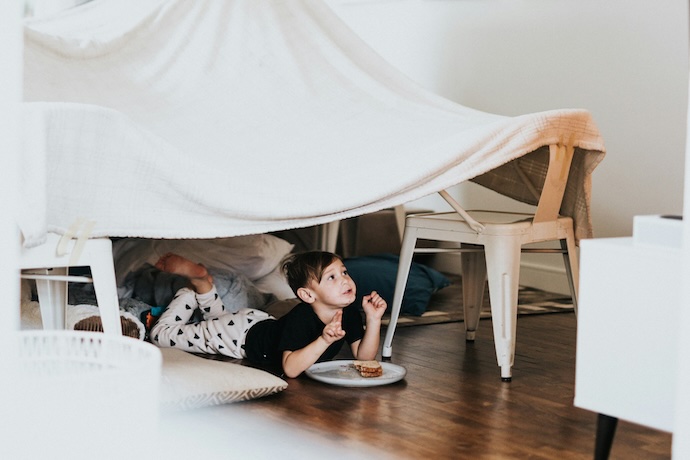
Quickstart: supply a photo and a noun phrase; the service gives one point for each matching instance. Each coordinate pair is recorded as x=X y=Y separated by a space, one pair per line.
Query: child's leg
x=211 y=304
x=172 y=330
x=181 y=307
x=229 y=331
x=219 y=333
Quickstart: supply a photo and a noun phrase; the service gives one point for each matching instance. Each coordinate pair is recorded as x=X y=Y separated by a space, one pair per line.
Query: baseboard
x=536 y=275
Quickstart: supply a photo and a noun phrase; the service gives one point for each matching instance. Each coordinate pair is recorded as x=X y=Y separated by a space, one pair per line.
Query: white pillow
x=190 y=382
x=254 y=256
x=276 y=284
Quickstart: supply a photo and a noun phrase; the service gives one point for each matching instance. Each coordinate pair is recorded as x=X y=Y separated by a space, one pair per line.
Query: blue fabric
x=378 y=273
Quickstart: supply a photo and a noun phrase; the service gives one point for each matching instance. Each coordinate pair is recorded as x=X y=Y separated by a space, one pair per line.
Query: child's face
x=335 y=288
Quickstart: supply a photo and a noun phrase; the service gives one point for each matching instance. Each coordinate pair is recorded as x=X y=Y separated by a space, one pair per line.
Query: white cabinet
x=628 y=333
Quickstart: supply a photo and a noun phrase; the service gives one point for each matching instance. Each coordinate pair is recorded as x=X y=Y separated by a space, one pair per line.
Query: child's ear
x=306 y=295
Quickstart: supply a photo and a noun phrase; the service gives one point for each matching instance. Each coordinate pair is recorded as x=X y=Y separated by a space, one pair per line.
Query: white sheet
x=205 y=118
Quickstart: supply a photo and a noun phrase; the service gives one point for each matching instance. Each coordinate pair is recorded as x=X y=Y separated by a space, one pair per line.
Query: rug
x=445 y=305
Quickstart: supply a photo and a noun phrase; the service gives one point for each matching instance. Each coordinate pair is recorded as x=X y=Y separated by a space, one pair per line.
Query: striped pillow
x=190 y=382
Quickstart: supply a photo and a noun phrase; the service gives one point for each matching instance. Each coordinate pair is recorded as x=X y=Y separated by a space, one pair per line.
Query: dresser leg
x=606 y=429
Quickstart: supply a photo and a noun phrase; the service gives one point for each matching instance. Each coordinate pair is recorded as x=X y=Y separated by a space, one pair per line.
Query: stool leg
x=105 y=285
x=52 y=299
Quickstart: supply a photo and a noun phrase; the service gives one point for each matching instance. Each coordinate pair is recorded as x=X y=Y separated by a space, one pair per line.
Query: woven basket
x=75 y=394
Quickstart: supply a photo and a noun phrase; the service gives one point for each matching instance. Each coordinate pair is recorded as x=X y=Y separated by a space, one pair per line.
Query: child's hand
x=334 y=330
x=374 y=306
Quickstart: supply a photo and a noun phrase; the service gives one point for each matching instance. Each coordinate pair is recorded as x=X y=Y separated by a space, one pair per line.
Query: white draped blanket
x=210 y=118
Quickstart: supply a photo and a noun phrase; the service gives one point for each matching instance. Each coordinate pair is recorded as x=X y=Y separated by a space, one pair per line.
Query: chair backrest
x=560 y=158
x=548 y=201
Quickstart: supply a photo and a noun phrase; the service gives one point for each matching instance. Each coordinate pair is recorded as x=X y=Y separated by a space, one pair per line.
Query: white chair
x=49 y=264
x=496 y=240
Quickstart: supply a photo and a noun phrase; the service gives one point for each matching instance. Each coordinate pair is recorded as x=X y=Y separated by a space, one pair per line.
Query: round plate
x=344 y=374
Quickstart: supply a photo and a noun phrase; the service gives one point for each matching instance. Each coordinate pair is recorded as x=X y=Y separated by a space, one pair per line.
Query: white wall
x=626 y=61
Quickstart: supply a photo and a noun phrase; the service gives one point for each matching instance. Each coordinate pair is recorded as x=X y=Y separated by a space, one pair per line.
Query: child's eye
x=345 y=273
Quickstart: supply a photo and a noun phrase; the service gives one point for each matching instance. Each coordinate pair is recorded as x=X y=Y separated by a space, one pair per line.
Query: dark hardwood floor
x=453 y=404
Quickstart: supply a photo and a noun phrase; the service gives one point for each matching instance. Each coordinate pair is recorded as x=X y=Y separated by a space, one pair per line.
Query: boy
x=312 y=331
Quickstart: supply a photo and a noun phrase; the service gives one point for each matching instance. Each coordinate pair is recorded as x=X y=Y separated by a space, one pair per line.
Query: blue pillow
x=378 y=273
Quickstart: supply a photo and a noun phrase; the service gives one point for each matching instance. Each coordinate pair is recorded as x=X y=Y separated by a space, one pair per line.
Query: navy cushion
x=378 y=273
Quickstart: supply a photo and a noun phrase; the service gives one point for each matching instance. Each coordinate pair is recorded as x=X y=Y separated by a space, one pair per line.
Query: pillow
x=190 y=382
x=276 y=284
x=378 y=273
x=254 y=256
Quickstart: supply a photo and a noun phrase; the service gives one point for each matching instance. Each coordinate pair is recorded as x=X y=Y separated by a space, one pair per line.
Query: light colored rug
x=445 y=306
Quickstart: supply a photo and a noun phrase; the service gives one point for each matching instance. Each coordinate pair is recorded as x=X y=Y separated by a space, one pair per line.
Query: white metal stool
x=50 y=268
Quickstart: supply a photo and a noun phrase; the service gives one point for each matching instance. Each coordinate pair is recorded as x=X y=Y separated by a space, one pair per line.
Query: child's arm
x=296 y=362
x=374 y=307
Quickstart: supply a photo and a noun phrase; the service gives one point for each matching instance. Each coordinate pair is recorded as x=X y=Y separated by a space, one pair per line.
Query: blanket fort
x=205 y=119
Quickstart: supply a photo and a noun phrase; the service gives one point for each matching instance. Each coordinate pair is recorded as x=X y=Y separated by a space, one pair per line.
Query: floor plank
x=452 y=404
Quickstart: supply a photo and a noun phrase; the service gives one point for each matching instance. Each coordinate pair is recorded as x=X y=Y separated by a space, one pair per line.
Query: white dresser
x=627 y=338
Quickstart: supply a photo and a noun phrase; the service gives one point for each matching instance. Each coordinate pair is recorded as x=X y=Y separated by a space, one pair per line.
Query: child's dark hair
x=301 y=268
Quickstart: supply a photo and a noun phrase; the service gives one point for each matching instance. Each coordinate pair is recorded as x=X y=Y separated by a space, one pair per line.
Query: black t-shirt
x=267 y=340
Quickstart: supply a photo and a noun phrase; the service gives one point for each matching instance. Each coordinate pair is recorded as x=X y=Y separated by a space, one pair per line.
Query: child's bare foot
x=179 y=265
x=197 y=273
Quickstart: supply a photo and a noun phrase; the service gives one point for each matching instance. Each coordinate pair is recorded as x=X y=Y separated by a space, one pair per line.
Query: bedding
x=207 y=119
x=256 y=257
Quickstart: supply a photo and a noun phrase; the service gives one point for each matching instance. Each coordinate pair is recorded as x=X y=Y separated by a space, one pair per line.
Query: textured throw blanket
x=218 y=118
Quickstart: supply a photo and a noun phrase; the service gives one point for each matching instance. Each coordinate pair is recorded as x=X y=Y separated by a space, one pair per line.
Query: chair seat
x=486 y=217
x=496 y=224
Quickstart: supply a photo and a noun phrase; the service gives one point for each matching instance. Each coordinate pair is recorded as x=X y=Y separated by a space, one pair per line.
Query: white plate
x=343 y=373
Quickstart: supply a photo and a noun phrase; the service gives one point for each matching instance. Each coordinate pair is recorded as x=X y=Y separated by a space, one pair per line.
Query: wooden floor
x=453 y=404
